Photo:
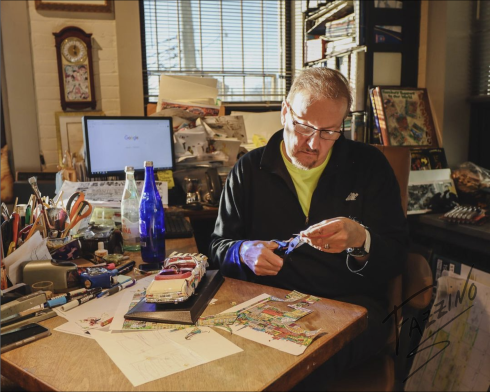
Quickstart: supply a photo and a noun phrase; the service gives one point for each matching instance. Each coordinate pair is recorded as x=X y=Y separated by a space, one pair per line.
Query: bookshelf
x=373 y=42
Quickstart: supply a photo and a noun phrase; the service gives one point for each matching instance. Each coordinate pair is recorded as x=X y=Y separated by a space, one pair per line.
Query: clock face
x=74 y=50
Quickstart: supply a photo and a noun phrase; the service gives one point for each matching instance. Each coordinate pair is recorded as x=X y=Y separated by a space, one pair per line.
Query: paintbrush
x=35 y=188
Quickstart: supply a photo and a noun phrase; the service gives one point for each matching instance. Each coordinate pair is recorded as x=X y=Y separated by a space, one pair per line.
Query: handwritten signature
x=438 y=312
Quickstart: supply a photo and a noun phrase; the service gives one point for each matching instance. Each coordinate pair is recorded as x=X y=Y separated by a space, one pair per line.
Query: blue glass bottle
x=152 y=219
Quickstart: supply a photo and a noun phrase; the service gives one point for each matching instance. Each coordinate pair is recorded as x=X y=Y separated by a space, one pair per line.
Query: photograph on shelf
x=421 y=195
x=423 y=185
x=405 y=117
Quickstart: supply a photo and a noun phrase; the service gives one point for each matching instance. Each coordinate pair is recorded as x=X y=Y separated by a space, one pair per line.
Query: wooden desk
x=72 y=363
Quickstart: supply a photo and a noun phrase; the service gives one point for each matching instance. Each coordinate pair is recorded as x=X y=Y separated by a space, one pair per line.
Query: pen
x=77 y=302
x=67 y=297
x=117 y=288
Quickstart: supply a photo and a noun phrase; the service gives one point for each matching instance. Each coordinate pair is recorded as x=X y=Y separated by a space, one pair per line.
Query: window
x=244 y=44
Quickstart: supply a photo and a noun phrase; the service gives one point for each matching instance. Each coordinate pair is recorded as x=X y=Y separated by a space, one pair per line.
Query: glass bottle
x=152 y=219
x=130 y=212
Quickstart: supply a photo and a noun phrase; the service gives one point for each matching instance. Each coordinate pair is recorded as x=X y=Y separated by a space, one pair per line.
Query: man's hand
x=335 y=235
x=259 y=256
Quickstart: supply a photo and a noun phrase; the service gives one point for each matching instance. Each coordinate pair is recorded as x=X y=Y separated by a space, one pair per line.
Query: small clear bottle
x=130 y=212
x=152 y=219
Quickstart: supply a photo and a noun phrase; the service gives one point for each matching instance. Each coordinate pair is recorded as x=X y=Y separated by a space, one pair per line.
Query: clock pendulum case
x=75 y=69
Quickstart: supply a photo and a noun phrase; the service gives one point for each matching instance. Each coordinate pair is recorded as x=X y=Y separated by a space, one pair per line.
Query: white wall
x=447 y=74
x=31 y=79
x=104 y=52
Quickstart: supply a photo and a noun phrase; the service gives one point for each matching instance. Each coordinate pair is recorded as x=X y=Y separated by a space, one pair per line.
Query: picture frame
x=105 y=6
x=404 y=117
x=69 y=131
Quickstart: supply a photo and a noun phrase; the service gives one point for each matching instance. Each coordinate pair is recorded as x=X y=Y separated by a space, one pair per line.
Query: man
x=342 y=196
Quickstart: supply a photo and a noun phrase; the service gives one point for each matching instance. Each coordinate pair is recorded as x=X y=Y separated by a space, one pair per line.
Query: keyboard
x=177 y=226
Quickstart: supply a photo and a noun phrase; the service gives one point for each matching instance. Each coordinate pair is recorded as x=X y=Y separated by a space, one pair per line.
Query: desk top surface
x=479 y=231
x=68 y=362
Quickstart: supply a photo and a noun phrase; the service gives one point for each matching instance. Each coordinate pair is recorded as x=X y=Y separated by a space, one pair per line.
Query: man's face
x=308 y=152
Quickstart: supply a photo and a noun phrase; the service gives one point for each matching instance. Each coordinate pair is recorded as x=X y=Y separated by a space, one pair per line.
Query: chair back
x=399 y=159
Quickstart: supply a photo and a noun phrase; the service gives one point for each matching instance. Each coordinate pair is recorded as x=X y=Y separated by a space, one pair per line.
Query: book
x=380 y=116
x=315 y=49
x=405 y=117
x=428 y=158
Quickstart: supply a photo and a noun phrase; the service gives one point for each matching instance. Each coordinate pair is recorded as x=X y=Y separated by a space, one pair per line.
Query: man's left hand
x=335 y=235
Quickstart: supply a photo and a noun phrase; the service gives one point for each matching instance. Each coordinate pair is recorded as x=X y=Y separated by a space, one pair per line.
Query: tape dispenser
x=94 y=277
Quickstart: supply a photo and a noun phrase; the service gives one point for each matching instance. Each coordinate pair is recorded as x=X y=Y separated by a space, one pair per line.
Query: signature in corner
x=439 y=311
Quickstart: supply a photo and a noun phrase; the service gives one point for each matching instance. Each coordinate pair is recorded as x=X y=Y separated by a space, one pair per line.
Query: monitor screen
x=114 y=142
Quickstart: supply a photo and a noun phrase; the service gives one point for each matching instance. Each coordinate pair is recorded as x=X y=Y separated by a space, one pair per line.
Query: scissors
x=84 y=210
x=286 y=247
x=73 y=203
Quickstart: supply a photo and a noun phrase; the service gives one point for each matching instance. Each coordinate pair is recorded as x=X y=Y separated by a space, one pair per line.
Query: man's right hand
x=259 y=256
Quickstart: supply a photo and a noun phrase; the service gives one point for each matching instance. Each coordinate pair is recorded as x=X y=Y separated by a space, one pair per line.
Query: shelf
x=337 y=54
x=332 y=11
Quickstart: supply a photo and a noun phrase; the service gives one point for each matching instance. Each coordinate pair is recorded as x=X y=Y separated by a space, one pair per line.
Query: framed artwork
x=69 y=131
x=75 y=5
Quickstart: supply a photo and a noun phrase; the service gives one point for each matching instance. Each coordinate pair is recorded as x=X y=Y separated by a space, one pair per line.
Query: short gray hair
x=322 y=83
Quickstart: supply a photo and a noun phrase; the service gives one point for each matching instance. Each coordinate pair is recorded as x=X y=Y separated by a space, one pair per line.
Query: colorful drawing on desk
x=278 y=323
x=94 y=321
x=260 y=316
x=294 y=296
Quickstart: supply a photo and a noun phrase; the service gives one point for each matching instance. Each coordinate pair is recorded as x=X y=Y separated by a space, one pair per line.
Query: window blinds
x=244 y=44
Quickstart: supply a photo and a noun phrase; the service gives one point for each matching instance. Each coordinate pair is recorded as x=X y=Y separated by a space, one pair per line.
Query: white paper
x=33 y=249
x=427 y=176
x=263 y=124
x=146 y=356
x=225 y=127
x=187 y=89
x=106 y=193
x=74 y=329
x=92 y=314
x=125 y=301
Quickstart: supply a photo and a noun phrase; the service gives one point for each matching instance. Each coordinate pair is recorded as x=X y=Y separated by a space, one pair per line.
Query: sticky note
x=167 y=176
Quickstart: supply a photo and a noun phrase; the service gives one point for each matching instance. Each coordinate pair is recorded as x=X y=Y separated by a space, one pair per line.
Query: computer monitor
x=114 y=142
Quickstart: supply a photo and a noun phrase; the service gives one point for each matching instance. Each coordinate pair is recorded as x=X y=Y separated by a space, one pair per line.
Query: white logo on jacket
x=352 y=196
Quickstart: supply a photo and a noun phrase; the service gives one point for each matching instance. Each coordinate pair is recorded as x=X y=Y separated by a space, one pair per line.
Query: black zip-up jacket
x=259 y=202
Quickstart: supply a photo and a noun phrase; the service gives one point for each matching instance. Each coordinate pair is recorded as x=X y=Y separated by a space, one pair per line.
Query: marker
x=67 y=297
x=78 y=302
x=117 y=288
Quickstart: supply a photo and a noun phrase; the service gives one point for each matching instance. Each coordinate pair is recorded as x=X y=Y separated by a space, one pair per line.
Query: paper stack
x=188 y=91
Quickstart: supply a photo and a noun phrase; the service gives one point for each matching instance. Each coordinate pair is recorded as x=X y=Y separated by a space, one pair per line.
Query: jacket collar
x=272 y=160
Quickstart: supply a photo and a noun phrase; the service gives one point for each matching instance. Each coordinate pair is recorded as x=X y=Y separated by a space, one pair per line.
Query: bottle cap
x=148 y=164
x=100 y=245
x=128 y=168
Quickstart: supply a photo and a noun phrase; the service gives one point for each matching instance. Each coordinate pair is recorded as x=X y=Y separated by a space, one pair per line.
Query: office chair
x=382 y=372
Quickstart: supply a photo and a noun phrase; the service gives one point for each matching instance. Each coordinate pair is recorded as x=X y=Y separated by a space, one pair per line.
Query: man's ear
x=284 y=111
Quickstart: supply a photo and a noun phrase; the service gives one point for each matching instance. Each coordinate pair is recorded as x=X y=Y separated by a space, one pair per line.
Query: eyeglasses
x=307 y=130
